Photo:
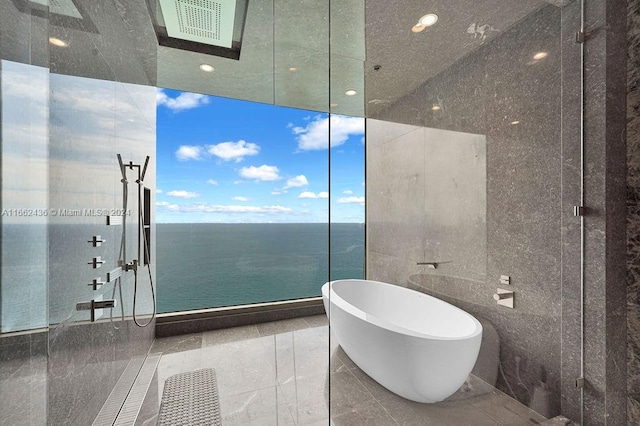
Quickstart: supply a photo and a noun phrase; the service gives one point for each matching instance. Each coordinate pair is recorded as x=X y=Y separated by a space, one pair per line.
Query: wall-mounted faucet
x=95 y=304
x=433 y=265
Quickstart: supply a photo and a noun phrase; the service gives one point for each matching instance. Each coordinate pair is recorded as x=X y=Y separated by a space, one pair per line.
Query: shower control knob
x=96 y=241
x=96 y=282
x=96 y=262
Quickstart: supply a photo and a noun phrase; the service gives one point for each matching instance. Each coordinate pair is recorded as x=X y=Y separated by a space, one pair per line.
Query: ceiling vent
x=203 y=21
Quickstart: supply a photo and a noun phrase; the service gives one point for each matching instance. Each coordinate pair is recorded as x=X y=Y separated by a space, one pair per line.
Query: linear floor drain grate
x=131 y=407
x=109 y=412
x=190 y=399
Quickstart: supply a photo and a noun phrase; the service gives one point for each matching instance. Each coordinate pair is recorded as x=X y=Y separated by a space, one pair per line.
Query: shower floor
x=281 y=373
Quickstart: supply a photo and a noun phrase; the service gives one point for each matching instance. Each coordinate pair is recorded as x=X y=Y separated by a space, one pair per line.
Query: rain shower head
x=212 y=27
x=203 y=21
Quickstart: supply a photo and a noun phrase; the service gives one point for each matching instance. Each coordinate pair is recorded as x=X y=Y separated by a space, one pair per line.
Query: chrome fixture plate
x=94 y=305
x=114 y=220
x=504 y=297
x=113 y=274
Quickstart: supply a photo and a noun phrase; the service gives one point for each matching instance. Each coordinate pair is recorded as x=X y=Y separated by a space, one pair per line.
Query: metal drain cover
x=190 y=399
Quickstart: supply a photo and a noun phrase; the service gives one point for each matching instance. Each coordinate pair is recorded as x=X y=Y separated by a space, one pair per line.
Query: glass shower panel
x=243 y=197
x=467 y=184
x=102 y=104
x=24 y=131
x=346 y=153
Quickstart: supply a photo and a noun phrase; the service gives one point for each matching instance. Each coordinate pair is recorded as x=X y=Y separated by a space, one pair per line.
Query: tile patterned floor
x=282 y=373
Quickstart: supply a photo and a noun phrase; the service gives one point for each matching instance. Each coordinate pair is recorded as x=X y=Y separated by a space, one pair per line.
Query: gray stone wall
x=633 y=211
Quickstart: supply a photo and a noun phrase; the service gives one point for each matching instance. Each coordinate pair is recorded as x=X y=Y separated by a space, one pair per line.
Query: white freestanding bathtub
x=413 y=344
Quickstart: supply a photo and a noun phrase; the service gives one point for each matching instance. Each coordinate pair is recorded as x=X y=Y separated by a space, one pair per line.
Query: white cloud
x=182 y=102
x=209 y=208
x=240 y=198
x=262 y=173
x=233 y=150
x=347 y=192
x=309 y=194
x=168 y=206
x=158 y=191
x=315 y=135
x=296 y=182
x=351 y=200
x=276 y=192
x=212 y=182
x=189 y=152
x=183 y=194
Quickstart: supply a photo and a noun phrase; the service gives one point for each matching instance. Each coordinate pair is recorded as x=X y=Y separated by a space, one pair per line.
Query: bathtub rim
x=334 y=298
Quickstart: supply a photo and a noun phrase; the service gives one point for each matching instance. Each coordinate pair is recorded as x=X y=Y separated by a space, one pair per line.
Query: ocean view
x=198 y=266
x=203 y=265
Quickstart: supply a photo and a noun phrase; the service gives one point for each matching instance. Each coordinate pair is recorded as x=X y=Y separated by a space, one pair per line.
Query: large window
x=243 y=203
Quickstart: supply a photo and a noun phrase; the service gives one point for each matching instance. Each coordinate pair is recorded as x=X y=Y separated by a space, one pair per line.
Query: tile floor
x=281 y=373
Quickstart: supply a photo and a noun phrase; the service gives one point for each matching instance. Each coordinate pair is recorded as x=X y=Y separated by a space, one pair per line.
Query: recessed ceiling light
x=293 y=69
x=206 y=68
x=57 y=42
x=436 y=108
x=515 y=122
x=418 y=28
x=428 y=19
x=540 y=55
x=350 y=92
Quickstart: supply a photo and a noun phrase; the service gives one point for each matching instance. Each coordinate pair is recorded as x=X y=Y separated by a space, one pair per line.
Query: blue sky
x=231 y=161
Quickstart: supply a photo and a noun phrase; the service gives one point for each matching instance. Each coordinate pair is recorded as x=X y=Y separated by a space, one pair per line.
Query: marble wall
x=633 y=211
x=529 y=111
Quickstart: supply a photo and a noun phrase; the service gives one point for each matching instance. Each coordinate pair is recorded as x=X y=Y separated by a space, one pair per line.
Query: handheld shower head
x=124 y=173
x=144 y=169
